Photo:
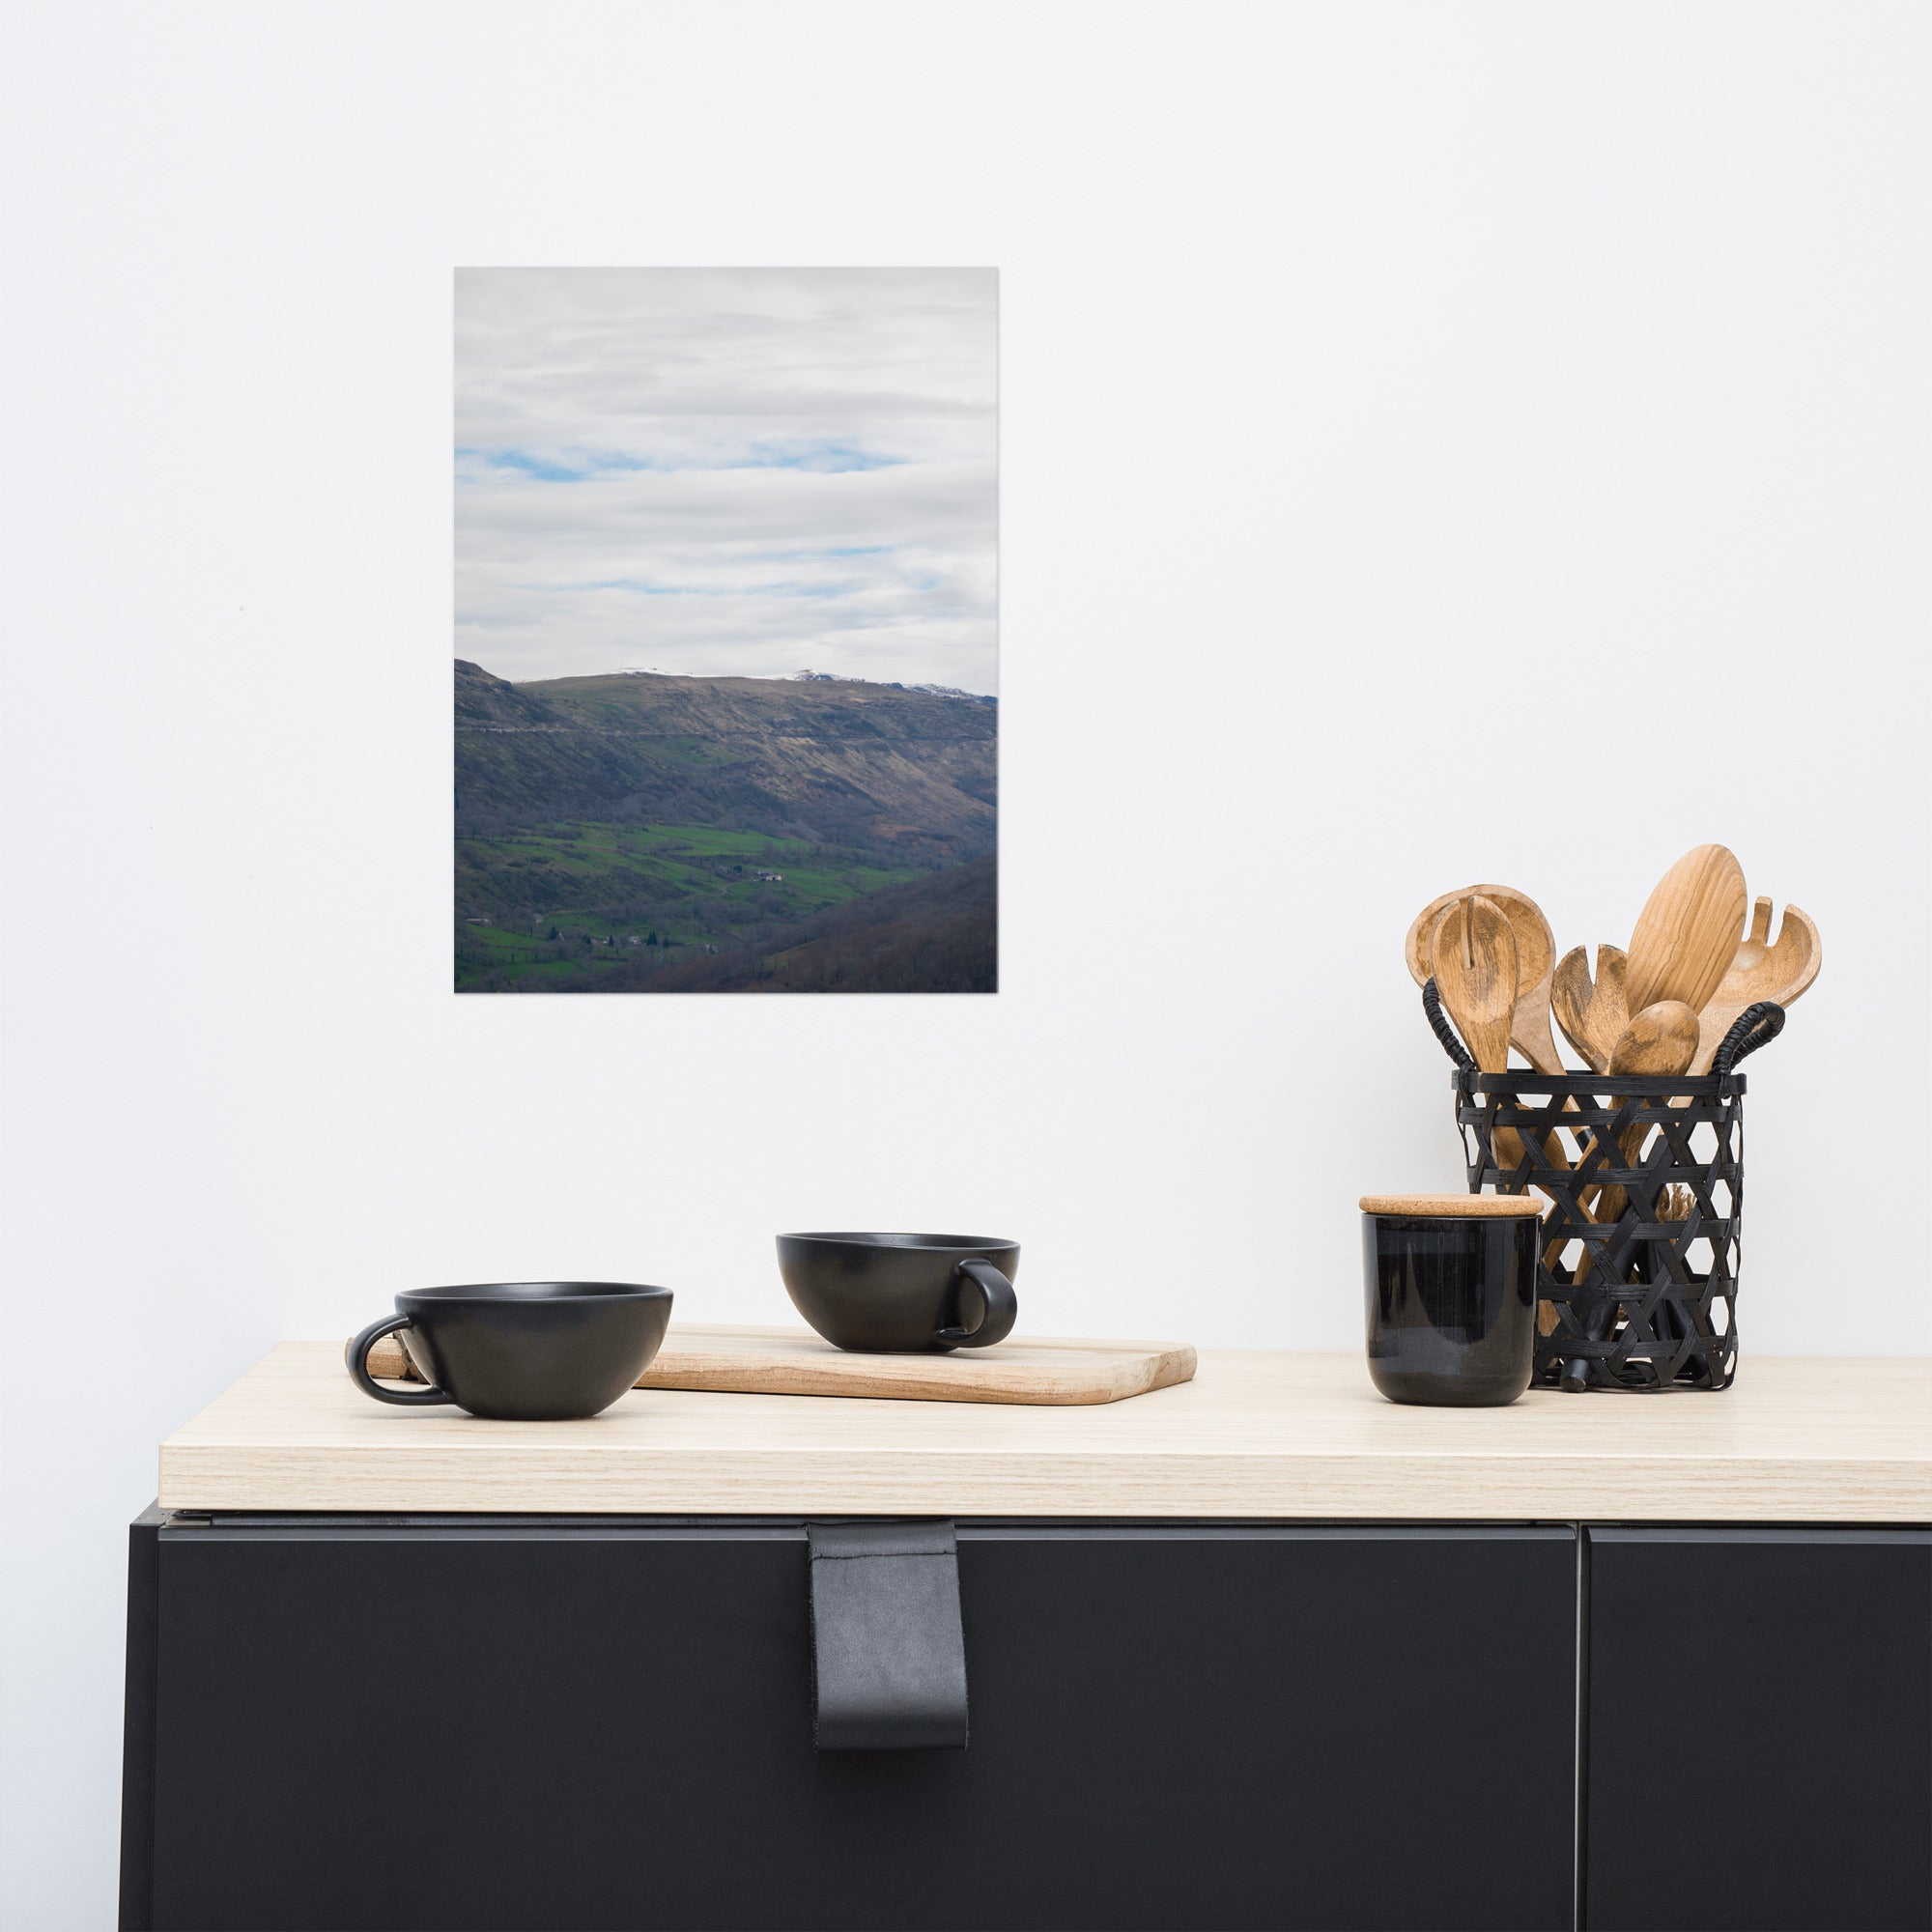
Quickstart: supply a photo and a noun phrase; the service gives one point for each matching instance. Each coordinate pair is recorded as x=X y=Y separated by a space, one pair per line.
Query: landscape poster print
x=727 y=630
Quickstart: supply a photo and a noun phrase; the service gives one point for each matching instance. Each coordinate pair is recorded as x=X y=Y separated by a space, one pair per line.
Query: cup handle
x=999 y=1308
x=356 y=1356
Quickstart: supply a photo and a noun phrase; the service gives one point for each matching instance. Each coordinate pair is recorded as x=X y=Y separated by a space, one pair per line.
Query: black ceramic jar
x=1450 y=1283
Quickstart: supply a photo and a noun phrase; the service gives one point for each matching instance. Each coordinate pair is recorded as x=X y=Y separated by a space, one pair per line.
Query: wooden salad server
x=1687 y=933
x=1472 y=955
x=1660 y=1041
x=1471 y=949
x=1759 y=970
x=1593 y=1017
x=1536 y=960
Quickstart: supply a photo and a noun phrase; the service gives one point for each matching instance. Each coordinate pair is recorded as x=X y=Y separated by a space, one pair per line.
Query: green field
x=561 y=899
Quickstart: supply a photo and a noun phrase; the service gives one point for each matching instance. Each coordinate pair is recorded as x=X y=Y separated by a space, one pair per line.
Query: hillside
x=599 y=887
x=934 y=935
x=866 y=766
x=659 y=834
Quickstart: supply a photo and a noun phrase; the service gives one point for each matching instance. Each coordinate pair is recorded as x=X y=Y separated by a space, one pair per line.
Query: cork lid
x=1467 y=1206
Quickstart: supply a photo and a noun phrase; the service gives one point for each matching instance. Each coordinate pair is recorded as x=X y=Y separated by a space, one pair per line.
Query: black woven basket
x=1641 y=1302
x=1644 y=1300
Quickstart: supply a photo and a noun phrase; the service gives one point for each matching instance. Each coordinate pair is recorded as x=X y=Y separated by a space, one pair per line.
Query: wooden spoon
x=1593 y=1017
x=1687 y=933
x=1660 y=1043
x=1535 y=958
x=1759 y=970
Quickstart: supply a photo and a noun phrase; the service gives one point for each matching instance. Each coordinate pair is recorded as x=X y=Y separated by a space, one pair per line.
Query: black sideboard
x=472 y=1721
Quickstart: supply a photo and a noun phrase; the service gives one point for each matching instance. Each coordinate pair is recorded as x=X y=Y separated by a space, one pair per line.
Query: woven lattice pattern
x=1641 y=1299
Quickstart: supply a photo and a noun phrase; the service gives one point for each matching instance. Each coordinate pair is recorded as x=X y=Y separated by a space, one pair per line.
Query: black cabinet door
x=606 y=1723
x=1760 y=1730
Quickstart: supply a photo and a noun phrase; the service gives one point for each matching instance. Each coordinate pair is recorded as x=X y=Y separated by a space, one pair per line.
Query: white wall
x=1439 y=443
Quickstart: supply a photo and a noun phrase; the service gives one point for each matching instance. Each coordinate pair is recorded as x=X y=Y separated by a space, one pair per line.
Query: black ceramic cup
x=903 y=1294
x=521 y=1351
x=1451 y=1288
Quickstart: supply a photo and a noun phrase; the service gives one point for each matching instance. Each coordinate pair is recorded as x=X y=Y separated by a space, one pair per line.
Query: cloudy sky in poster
x=745 y=472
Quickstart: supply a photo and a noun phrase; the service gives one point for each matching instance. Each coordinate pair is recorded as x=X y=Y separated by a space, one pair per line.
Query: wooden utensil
x=1759 y=970
x=1687 y=933
x=1535 y=961
x=1593 y=1016
x=1472 y=954
x=1659 y=1043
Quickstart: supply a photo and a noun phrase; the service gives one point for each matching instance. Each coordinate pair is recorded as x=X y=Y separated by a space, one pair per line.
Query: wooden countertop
x=1253 y=1434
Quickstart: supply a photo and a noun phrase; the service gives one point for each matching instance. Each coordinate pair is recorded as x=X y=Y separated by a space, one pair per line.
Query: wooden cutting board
x=794 y=1361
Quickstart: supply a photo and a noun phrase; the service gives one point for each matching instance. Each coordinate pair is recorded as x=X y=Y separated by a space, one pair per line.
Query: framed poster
x=727 y=630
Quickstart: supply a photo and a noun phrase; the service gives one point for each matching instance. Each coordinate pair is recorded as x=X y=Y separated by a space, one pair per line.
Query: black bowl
x=523 y=1351
x=896 y=1294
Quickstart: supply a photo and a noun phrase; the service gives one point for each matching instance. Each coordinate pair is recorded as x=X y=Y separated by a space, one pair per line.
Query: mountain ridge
x=869 y=765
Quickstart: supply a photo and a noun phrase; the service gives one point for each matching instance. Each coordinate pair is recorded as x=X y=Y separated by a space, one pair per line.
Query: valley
x=661 y=834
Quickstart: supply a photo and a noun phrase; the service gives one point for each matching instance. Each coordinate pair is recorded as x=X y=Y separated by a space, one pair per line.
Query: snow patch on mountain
x=930 y=690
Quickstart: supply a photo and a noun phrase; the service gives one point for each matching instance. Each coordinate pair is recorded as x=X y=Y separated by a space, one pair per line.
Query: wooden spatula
x=1687 y=933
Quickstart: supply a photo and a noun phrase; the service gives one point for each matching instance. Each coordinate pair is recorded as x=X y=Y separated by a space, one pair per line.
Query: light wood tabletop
x=1253 y=1435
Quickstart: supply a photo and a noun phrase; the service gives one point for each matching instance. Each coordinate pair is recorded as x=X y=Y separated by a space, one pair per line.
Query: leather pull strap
x=888 y=1654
